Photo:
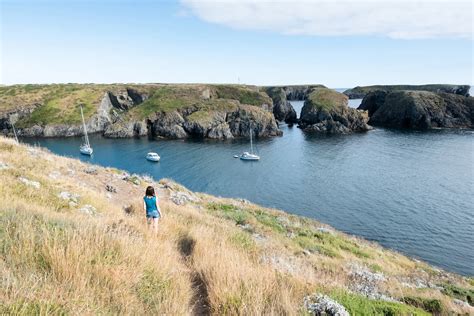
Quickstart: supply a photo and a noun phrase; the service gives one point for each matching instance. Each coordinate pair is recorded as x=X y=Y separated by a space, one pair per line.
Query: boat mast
x=85 y=129
x=251 y=143
x=14 y=132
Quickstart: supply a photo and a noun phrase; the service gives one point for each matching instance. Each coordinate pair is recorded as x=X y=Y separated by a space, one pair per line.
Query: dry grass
x=55 y=259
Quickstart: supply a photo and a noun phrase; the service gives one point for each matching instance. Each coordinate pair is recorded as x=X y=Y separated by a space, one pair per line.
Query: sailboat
x=249 y=155
x=85 y=148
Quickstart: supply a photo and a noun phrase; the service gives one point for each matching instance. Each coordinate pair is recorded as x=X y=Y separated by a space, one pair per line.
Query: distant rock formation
x=419 y=109
x=326 y=111
x=281 y=96
x=361 y=92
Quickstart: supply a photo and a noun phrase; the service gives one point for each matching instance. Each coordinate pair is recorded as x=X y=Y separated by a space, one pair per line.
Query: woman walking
x=152 y=210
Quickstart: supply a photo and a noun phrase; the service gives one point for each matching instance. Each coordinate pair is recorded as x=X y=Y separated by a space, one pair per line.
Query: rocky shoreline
x=226 y=111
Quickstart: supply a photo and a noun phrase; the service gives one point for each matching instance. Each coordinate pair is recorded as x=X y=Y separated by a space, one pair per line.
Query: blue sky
x=166 y=41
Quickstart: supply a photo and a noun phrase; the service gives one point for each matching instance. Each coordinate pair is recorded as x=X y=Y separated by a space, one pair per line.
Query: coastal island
x=73 y=239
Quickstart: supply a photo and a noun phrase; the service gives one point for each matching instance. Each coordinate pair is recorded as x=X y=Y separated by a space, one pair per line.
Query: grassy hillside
x=73 y=241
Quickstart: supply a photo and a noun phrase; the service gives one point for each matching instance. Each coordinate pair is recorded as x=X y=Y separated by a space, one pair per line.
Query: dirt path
x=200 y=299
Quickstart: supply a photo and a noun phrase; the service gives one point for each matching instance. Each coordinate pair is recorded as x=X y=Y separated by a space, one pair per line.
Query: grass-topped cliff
x=361 y=91
x=326 y=111
x=124 y=110
x=73 y=241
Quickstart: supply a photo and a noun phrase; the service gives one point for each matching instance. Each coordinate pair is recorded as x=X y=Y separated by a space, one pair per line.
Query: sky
x=338 y=43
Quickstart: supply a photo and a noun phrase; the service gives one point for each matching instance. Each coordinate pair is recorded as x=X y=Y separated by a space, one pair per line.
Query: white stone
x=31 y=183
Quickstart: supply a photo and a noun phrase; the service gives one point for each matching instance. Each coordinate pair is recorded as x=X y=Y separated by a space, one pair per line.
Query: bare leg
x=155 y=225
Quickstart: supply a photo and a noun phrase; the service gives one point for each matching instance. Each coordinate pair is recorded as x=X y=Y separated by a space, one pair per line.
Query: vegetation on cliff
x=419 y=109
x=73 y=240
x=360 y=92
x=120 y=110
x=326 y=111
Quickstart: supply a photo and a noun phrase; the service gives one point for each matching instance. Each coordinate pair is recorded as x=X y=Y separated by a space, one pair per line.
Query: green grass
x=229 y=211
x=245 y=95
x=35 y=307
x=61 y=105
x=360 y=305
x=269 y=220
x=328 y=244
x=243 y=240
x=466 y=295
x=153 y=289
x=430 y=305
x=327 y=99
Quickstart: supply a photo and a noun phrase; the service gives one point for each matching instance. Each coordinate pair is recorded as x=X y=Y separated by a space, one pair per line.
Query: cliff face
x=361 y=92
x=326 y=111
x=171 y=111
x=419 y=109
x=282 y=108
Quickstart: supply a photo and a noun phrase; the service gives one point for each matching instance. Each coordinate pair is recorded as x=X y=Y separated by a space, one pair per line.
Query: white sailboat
x=249 y=155
x=85 y=148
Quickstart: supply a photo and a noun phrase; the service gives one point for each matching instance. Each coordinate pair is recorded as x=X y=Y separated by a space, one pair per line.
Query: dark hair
x=150 y=191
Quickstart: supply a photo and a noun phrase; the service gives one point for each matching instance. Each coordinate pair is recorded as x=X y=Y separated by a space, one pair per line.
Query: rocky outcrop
x=12 y=116
x=419 y=110
x=126 y=99
x=122 y=129
x=282 y=108
x=228 y=124
x=327 y=111
x=361 y=92
x=373 y=101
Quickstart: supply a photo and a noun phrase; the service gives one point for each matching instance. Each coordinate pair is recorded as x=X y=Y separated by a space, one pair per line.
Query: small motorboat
x=153 y=157
x=86 y=149
x=236 y=156
x=248 y=156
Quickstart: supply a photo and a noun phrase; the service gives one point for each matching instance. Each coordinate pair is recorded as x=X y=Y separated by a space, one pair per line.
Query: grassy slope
x=56 y=259
x=59 y=103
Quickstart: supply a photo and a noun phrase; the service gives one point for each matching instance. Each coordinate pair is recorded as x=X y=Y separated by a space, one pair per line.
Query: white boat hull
x=86 y=151
x=152 y=159
x=249 y=157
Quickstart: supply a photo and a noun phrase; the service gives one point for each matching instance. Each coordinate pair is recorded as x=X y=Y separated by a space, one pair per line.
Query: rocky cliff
x=282 y=95
x=171 y=111
x=326 y=111
x=360 y=92
x=419 y=109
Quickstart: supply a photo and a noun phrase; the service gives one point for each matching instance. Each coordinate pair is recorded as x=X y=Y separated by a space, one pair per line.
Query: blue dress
x=151 y=209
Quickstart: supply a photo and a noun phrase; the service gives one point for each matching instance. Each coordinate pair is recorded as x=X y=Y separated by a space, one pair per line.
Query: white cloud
x=402 y=19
